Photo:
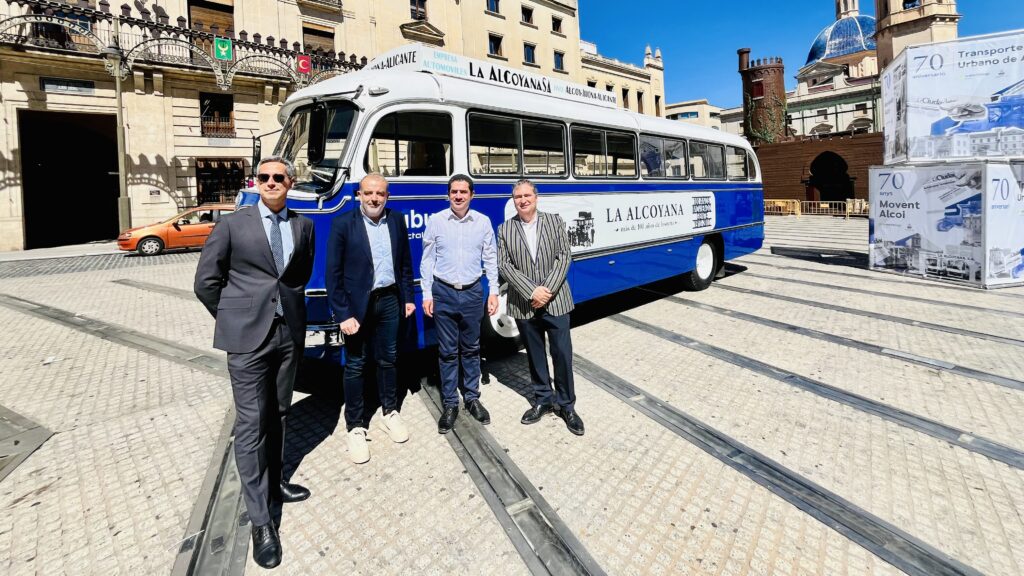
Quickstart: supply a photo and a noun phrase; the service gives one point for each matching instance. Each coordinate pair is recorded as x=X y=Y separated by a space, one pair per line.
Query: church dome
x=848 y=35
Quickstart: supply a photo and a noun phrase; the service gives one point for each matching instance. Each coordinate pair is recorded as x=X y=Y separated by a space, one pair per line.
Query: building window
x=556 y=24
x=211 y=14
x=418 y=9
x=609 y=88
x=492 y=6
x=411 y=144
x=862 y=108
x=757 y=89
x=527 y=15
x=640 y=102
x=216 y=115
x=218 y=180
x=559 y=60
x=529 y=53
x=494 y=45
x=317 y=37
x=592 y=83
x=657 y=105
x=823 y=113
x=625 y=97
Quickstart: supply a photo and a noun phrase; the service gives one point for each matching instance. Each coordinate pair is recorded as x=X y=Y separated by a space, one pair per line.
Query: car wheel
x=150 y=246
x=704 y=268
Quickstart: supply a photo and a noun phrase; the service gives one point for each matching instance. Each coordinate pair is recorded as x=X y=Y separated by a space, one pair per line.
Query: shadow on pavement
x=847 y=258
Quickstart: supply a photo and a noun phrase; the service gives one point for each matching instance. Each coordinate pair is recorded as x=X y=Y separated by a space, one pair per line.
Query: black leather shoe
x=293 y=493
x=266 y=546
x=447 y=420
x=534 y=414
x=478 y=411
x=572 y=422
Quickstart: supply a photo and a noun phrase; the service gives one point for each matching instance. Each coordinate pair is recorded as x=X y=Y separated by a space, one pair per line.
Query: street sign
x=303 y=64
x=223 y=49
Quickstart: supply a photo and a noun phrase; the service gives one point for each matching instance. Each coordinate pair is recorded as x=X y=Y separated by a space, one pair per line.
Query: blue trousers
x=457 y=316
x=376 y=340
x=556 y=328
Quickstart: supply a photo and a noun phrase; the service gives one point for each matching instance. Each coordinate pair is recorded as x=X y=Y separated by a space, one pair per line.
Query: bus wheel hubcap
x=705 y=260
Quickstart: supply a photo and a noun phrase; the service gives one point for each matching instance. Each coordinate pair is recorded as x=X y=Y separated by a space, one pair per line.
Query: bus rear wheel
x=704 y=268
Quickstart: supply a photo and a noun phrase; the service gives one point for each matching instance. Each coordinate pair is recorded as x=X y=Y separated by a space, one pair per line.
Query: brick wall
x=785 y=165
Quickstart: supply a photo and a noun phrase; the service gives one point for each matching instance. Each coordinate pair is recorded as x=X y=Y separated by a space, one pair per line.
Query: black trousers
x=262 y=382
x=556 y=328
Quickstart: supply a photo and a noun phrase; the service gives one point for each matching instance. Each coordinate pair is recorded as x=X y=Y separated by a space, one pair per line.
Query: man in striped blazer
x=534 y=257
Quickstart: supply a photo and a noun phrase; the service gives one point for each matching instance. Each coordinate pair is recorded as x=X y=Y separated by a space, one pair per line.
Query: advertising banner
x=1004 y=224
x=597 y=222
x=928 y=221
x=962 y=99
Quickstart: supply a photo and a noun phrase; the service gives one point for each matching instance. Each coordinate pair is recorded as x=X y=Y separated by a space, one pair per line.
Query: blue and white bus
x=644 y=198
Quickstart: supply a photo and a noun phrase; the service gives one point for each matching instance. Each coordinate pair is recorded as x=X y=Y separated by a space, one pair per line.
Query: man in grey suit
x=534 y=257
x=252 y=278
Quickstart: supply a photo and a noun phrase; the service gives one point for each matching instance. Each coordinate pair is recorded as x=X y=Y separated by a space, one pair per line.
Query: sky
x=699 y=38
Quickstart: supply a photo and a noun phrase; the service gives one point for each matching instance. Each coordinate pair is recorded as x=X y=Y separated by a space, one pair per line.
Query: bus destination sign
x=424 y=59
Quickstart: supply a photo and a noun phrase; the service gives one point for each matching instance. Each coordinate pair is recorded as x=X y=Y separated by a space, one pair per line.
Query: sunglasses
x=264 y=178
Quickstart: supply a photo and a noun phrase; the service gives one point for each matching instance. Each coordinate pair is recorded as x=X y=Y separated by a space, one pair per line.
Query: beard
x=372 y=212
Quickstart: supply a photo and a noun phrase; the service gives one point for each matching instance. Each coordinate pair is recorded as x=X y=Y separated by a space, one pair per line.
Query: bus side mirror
x=317 y=134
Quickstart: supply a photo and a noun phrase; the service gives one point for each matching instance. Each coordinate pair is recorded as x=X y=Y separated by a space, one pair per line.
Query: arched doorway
x=830 y=178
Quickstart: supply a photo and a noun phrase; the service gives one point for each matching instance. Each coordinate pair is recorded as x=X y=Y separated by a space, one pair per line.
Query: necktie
x=277 y=247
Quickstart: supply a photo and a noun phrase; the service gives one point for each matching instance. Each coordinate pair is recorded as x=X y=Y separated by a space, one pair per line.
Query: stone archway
x=830 y=177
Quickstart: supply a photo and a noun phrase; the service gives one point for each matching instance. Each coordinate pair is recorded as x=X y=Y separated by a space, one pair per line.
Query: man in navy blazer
x=369 y=284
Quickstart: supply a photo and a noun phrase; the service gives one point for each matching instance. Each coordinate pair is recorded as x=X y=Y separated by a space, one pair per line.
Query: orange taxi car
x=186 y=230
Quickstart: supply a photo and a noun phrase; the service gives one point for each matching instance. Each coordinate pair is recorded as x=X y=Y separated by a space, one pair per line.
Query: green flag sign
x=223 y=49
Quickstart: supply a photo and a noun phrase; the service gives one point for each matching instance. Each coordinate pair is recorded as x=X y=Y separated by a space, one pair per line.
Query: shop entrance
x=69 y=177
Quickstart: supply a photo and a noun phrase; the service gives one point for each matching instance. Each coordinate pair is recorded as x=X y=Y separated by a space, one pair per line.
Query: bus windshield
x=294 y=144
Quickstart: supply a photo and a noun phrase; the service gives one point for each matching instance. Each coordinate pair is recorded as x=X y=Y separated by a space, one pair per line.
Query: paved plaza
x=802 y=416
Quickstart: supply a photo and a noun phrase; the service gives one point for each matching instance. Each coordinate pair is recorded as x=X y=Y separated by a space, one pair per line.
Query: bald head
x=374 y=179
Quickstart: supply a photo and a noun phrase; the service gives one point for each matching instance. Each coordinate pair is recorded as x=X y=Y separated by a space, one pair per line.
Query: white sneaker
x=394 y=427
x=357 y=448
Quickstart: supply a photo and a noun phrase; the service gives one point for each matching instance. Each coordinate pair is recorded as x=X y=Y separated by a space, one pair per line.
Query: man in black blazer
x=252 y=278
x=369 y=284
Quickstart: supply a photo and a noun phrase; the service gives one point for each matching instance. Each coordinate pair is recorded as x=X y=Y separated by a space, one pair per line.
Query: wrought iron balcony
x=217 y=127
x=81 y=29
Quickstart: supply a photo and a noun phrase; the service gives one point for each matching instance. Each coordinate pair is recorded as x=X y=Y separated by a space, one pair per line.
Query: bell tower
x=846 y=8
x=902 y=23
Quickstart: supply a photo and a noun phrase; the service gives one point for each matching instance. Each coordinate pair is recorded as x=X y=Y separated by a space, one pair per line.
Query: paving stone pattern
x=112 y=490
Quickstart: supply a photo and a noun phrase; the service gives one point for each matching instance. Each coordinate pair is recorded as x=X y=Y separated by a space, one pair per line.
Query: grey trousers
x=262 y=382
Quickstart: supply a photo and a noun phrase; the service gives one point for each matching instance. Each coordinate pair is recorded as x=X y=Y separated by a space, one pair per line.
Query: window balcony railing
x=217 y=127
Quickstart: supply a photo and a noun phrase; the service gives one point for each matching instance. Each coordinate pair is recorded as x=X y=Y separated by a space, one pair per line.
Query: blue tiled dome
x=844 y=36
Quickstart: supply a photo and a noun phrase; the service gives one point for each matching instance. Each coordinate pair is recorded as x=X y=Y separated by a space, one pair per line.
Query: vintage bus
x=643 y=198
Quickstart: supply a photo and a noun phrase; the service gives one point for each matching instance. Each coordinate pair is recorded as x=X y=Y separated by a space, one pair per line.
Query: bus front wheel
x=704 y=267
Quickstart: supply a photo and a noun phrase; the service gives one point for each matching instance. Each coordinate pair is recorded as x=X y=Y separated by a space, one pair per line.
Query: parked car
x=186 y=230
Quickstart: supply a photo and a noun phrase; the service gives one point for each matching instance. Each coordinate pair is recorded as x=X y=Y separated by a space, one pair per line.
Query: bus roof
x=375 y=88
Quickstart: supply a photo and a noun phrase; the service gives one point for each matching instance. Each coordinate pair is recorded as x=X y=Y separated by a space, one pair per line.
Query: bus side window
x=751 y=167
x=411 y=144
x=588 y=157
x=493 y=145
x=736 y=163
x=543 y=149
x=652 y=159
x=622 y=150
x=675 y=159
x=707 y=161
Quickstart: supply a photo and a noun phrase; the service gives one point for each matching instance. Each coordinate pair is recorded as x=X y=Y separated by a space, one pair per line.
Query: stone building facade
x=699 y=112
x=189 y=118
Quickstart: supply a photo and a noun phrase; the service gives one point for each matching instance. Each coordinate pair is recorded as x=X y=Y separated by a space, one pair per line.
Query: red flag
x=303 y=64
